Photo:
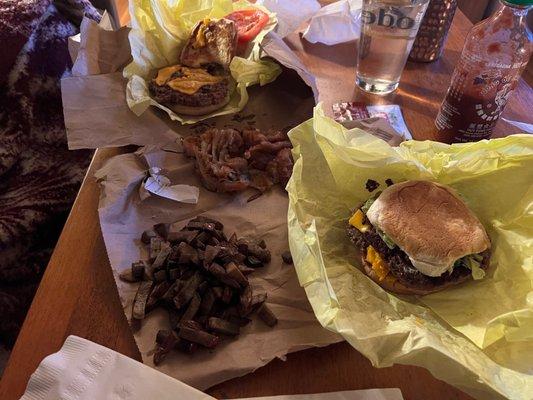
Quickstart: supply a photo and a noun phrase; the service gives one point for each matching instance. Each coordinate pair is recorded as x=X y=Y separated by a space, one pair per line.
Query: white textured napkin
x=335 y=23
x=291 y=14
x=83 y=370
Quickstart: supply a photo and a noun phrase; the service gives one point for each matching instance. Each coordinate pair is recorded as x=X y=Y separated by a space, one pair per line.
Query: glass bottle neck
x=519 y=11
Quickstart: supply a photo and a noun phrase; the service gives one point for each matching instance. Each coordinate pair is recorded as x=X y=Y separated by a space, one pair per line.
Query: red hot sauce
x=496 y=52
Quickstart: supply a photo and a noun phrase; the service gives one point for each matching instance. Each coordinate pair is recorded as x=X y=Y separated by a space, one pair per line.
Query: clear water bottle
x=495 y=53
x=388 y=30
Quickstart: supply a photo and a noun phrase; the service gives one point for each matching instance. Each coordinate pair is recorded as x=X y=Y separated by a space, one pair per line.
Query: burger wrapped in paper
x=201 y=83
x=419 y=237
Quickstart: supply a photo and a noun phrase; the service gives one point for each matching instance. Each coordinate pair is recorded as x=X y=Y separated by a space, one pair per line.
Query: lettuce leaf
x=368 y=204
x=388 y=241
x=473 y=263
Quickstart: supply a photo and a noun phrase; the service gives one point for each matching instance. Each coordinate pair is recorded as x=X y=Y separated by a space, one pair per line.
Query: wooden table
x=77 y=295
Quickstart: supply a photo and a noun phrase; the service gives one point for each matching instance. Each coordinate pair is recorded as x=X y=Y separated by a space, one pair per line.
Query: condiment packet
x=83 y=370
x=384 y=121
x=335 y=23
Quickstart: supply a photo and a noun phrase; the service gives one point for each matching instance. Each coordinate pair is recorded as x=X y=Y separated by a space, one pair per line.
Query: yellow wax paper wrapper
x=160 y=29
x=477 y=336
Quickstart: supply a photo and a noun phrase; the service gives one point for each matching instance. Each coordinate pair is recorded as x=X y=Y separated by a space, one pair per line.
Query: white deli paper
x=97 y=115
x=338 y=22
x=84 y=370
x=371 y=394
x=123 y=218
x=157 y=183
x=291 y=14
x=105 y=96
x=101 y=49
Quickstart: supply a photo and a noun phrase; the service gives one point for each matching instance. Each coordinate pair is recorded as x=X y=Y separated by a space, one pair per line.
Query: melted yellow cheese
x=164 y=74
x=357 y=221
x=190 y=82
x=200 y=40
x=379 y=266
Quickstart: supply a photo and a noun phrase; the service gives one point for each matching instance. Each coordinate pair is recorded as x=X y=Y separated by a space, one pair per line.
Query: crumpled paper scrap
x=98 y=48
x=157 y=181
x=275 y=47
x=291 y=14
x=338 y=22
x=158 y=184
x=478 y=335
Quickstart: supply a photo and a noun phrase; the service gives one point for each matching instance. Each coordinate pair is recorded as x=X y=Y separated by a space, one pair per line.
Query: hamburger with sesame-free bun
x=419 y=237
x=201 y=82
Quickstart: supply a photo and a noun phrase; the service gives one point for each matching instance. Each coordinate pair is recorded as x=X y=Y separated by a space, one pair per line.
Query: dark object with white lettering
x=495 y=53
x=429 y=42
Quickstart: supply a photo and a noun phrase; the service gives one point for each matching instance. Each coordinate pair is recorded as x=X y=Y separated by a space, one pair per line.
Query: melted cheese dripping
x=190 y=81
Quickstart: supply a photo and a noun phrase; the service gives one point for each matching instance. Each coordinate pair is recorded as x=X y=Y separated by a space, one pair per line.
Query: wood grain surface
x=422 y=86
x=78 y=296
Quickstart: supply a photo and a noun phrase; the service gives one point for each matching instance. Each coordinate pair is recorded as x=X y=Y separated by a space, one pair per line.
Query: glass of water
x=388 y=30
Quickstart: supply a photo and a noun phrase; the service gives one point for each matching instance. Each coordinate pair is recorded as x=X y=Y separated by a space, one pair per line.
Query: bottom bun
x=393 y=285
x=189 y=110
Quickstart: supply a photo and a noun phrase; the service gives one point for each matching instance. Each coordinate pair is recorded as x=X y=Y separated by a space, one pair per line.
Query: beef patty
x=207 y=95
x=401 y=267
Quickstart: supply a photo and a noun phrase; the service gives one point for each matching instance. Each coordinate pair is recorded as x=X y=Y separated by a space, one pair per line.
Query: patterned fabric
x=39 y=176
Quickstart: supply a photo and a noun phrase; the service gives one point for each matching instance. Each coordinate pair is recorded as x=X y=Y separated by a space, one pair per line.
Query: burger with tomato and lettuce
x=419 y=237
x=201 y=82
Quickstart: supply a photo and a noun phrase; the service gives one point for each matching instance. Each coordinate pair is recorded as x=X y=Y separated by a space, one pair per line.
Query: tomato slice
x=249 y=23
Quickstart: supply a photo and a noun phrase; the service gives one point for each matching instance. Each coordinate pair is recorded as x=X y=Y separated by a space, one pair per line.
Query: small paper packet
x=383 y=121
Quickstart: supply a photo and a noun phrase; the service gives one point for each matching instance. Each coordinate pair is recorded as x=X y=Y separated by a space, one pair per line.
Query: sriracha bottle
x=495 y=53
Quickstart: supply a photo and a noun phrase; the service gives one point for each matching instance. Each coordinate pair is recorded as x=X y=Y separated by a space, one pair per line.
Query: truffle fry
x=198 y=336
x=141 y=297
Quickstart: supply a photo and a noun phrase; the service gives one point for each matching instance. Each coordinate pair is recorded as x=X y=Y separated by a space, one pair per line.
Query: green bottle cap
x=520 y=2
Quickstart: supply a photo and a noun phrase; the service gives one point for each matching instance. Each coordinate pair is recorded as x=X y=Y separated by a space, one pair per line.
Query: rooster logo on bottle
x=487 y=113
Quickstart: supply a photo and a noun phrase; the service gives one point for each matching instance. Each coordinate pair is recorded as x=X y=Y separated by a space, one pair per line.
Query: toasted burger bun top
x=430 y=223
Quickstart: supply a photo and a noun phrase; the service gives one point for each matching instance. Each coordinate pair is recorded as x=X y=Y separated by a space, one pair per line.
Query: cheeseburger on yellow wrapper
x=419 y=237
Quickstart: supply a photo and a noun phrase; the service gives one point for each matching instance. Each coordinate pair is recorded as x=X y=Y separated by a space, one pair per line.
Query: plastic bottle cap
x=520 y=2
